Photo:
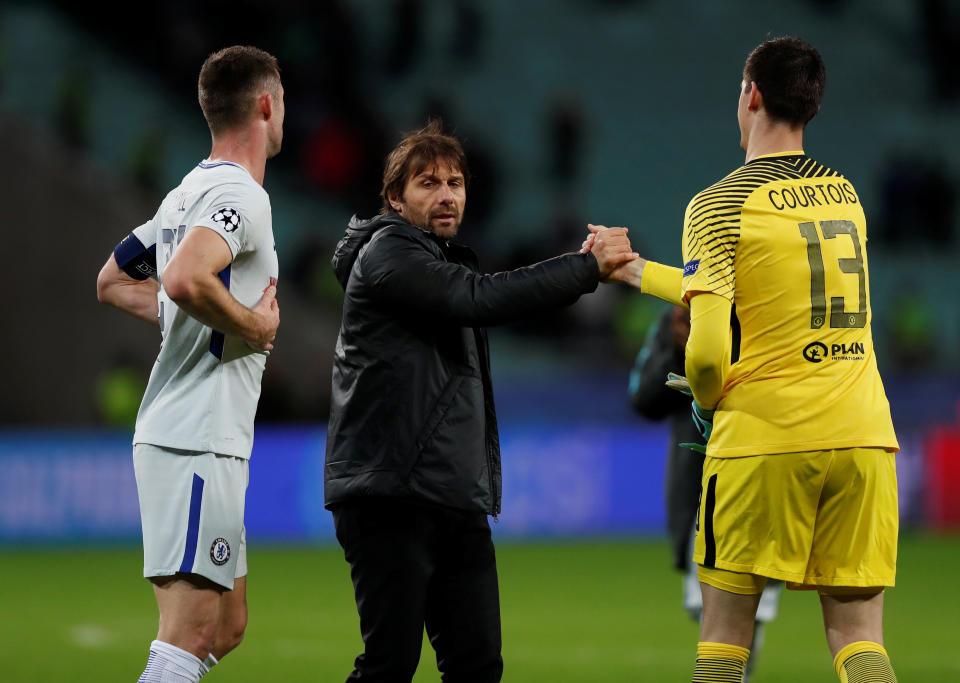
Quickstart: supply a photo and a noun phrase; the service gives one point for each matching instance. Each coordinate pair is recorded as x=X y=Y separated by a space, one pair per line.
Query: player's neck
x=244 y=148
x=773 y=138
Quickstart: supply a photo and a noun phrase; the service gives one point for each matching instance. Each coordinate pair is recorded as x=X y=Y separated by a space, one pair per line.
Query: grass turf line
x=578 y=611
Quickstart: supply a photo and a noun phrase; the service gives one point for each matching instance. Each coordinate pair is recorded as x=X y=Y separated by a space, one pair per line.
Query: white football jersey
x=203 y=390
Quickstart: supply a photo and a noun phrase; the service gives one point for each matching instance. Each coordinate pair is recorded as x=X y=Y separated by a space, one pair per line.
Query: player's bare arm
x=191 y=280
x=136 y=297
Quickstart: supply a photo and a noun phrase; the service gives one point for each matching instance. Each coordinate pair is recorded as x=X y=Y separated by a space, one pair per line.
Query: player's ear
x=265 y=106
x=755 y=100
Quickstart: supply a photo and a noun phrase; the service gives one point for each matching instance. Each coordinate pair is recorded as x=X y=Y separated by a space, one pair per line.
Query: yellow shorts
x=813 y=519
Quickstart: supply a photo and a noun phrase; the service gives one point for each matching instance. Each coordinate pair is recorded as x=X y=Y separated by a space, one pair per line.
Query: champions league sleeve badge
x=227 y=218
x=220 y=552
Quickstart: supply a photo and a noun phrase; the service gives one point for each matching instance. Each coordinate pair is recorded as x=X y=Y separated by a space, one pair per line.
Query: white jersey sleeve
x=147 y=233
x=232 y=211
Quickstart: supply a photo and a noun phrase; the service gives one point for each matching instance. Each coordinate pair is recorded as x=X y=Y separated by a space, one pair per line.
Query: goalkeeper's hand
x=702 y=417
x=678 y=383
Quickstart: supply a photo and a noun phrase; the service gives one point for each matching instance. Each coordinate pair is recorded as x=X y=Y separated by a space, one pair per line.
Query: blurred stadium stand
x=612 y=112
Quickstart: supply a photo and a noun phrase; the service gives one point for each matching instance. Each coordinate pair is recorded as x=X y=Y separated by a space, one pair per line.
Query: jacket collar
x=360 y=231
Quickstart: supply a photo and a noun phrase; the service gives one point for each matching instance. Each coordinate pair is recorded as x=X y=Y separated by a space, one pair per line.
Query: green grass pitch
x=577 y=611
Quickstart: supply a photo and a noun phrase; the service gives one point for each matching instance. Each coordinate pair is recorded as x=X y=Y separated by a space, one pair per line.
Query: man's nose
x=446 y=194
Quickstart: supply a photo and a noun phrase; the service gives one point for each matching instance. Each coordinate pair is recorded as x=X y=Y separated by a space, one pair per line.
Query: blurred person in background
x=118 y=392
x=205 y=269
x=650 y=396
x=799 y=480
x=413 y=454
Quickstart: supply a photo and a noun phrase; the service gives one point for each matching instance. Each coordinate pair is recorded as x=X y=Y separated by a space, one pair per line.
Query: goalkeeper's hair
x=230 y=82
x=791 y=76
x=414 y=153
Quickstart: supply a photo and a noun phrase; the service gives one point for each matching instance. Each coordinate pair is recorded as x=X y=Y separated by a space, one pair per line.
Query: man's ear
x=396 y=204
x=265 y=106
x=756 y=97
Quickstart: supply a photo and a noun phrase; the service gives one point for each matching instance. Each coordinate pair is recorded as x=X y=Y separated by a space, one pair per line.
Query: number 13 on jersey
x=839 y=316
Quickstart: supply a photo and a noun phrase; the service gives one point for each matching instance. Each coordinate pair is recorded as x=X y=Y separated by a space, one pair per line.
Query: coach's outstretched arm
x=400 y=272
x=649 y=277
x=191 y=279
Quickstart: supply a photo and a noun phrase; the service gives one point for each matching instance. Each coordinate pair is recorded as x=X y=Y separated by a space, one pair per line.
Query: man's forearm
x=708 y=348
x=206 y=299
x=662 y=281
x=138 y=298
x=652 y=278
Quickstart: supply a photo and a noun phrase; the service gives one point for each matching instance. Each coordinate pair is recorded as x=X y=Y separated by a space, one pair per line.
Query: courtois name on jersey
x=203 y=391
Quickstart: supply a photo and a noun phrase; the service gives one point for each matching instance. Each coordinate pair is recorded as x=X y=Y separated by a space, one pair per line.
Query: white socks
x=170 y=664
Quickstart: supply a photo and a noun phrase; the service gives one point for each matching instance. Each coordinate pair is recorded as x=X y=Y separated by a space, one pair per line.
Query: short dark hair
x=791 y=77
x=415 y=152
x=230 y=82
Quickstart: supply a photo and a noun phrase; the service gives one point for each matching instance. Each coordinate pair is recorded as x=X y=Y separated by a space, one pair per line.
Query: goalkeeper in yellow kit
x=799 y=481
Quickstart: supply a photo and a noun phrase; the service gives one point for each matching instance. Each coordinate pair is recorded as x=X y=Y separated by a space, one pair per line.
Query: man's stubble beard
x=445 y=233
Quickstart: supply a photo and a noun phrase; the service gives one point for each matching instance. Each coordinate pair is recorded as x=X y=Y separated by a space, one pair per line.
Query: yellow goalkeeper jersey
x=784 y=239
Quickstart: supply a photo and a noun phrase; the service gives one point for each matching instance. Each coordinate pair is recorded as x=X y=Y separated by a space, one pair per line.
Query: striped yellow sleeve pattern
x=711 y=226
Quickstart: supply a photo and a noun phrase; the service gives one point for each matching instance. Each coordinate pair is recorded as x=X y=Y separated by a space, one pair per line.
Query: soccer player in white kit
x=204 y=268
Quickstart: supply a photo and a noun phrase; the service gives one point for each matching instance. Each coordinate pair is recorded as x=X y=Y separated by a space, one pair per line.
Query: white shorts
x=191 y=512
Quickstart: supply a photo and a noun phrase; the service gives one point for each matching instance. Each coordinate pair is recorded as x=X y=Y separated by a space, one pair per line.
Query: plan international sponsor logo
x=817 y=352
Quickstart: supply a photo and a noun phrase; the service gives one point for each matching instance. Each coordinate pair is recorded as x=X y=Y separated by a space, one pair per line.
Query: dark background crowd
x=605 y=111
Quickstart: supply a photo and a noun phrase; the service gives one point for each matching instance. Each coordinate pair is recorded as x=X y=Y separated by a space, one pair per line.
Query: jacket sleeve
x=399 y=271
x=649 y=394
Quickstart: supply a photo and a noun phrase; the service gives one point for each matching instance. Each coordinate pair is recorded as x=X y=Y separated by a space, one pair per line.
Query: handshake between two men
x=616 y=258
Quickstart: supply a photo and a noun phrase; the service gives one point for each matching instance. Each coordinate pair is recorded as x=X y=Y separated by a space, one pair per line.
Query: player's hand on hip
x=703 y=419
x=611 y=248
x=267 y=312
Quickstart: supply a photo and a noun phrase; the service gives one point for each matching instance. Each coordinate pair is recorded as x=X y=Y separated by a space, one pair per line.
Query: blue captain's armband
x=136 y=260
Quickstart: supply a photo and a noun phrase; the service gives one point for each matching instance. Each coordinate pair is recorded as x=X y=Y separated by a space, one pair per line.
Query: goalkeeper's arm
x=708 y=348
x=649 y=277
x=652 y=278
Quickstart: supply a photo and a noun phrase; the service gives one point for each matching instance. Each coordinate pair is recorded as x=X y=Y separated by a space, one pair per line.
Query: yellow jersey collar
x=793 y=153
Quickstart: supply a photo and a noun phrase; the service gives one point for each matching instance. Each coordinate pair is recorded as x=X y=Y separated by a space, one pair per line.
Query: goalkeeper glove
x=679 y=383
x=702 y=417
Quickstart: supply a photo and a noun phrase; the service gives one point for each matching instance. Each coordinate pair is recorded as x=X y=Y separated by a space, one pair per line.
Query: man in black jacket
x=413 y=455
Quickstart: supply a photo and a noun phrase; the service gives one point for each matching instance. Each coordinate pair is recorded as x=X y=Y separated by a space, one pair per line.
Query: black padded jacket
x=412 y=412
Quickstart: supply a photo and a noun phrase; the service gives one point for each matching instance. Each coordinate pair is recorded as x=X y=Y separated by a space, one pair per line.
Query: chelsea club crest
x=220 y=552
